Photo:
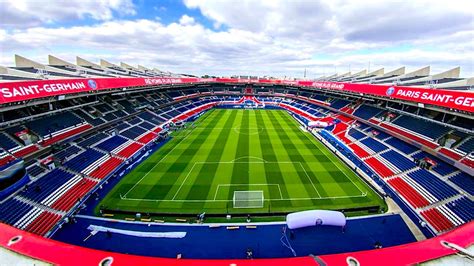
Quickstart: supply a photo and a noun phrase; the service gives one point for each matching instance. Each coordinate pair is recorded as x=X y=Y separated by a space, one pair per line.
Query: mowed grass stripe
x=257 y=168
x=199 y=185
x=323 y=173
x=291 y=151
x=198 y=150
x=273 y=172
x=240 y=173
x=335 y=180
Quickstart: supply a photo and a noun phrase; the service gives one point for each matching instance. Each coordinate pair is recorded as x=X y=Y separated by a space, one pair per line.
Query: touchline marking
x=184 y=181
x=291 y=199
x=309 y=179
x=189 y=133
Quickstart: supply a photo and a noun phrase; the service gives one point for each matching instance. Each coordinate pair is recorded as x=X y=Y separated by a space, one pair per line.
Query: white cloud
x=269 y=38
x=28 y=13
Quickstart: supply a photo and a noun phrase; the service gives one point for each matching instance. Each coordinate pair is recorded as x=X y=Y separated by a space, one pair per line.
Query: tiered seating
x=356 y=134
x=409 y=135
x=47 y=185
x=339 y=103
x=107 y=167
x=65 y=135
x=423 y=127
x=434 y=185
x=339 y=127
x=7 y=158
x=7 y=143
x=83 y=160
x=133 y=132
x=366 y=111
x=147 y=137
x=409 y=193
x=464 y=181
x=92 y=140
x=358 y=150
x=374 y=145
x=151 y=118
x=379 y=167
x=463 y=208
x=12 y=210
x=52 y=123
x=400 y=161
x=25 y=151
x=441 y=167
x=401 y=145
x=467 y=146
x=72 y=196
x=147 y=125
x=35 y=170
x=111 y=143
x=67 y=152
x=437 y=220
x=130 y=150
x=45 y=222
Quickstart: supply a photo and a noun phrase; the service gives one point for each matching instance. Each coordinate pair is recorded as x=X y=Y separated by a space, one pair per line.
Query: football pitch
x=261 y=153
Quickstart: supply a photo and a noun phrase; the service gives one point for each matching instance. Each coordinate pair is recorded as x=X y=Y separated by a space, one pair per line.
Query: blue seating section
x=362 y=126
x=7 y=143
x=356 y=134
x=382 y=135
x=43 y=187
x=151 y=118
x=52 y=123
x=83 y=160
x=401 y=145
x=67 y=152
x=398 y=160
x=121 y=126
x=467 y=147
x=127 y=106
x=426 y=128
x=133 y=132
x=92 y=140
x=13 y=210
x=320 y=97
x=441 y=167
x=464 y=181
x=339 y=103
x=366 y=111
x=134 y=121
x=434 y=185
x=112 y=143
x=35 y=170
x=147 y=125
x=374 y=144
x=463 y=207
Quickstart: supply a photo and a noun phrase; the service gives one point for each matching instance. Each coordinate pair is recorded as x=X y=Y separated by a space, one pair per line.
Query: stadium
x=111 y=164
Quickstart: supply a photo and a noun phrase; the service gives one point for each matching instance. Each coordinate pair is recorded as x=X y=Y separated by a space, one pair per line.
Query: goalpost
x=248 y=199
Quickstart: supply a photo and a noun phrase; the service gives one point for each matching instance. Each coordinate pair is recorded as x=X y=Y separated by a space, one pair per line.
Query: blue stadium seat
x=434 y=185
x=424 y=127
x=366 y=111
x=398 y=160
x=464 y=181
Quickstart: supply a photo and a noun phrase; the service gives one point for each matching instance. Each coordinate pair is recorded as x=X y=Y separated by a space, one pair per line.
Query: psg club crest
x=92 y=84
x=390 y=91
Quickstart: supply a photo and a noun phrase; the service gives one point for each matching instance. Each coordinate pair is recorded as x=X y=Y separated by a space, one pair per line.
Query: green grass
x=241 y=150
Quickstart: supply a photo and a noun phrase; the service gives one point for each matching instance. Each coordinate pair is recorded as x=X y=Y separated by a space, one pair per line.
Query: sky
x=241 y=37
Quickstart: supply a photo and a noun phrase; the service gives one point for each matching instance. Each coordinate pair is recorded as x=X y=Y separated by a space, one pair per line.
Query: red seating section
x=340 y=127
x=104 y=169
x=409 y=193
x=468 y=162
x=6 y=159
x=147 y=137
x=130 y=150
x=43 y=223
x=25 y=151
x=379 y=167
x=451 y=154
x=358 y=150
x=65 y=135
x=437 y=220
x=403 y=132
x=71 y=197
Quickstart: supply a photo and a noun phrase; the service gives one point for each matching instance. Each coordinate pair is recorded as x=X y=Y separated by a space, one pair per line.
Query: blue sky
x=268 y=37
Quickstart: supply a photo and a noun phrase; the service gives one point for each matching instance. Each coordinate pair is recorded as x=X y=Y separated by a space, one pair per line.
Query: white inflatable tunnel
x=315 y=217
x=318 y=124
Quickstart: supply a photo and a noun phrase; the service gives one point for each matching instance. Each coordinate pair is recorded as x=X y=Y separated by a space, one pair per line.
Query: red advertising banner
x=27 y=90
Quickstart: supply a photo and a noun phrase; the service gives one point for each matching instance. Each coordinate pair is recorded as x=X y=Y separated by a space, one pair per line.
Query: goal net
x=248 y=199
